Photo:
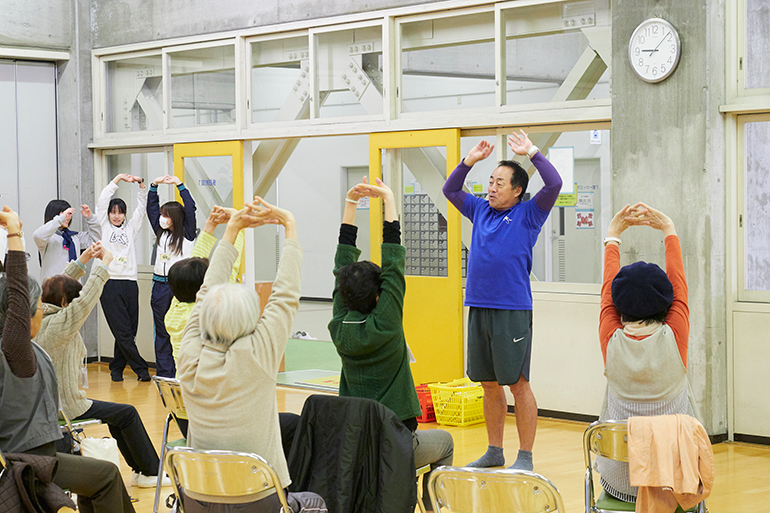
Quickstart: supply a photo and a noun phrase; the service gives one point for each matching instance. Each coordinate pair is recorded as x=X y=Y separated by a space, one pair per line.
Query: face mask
x=165 y=222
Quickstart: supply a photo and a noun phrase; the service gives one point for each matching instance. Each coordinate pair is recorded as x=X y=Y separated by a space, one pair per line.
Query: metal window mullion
x=500 y=58
x=240 y=62
x=390 y=64
x=313 y=51
x=166 y=85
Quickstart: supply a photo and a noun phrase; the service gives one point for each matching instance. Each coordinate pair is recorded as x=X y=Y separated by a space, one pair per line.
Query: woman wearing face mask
x=174 y=226
x=56 y=243
x=120 y=298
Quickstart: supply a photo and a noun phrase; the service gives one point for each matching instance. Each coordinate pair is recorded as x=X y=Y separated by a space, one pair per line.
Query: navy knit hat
x=642 y=290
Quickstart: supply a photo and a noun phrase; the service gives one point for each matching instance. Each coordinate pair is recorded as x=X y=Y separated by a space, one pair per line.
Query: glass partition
x=210 y=180
x=280 y=85
x=424 y=222
x=448 y=63
x=349 y=72
x=756 y=260
x=202 y=87
x=569 y=248
x=572 y=69
x=135 y=94
x=757 y=40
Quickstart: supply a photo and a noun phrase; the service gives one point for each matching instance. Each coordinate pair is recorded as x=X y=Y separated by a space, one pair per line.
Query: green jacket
x=375 y=359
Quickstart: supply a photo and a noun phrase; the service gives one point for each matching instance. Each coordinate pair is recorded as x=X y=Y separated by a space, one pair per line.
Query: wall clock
x=654 y=50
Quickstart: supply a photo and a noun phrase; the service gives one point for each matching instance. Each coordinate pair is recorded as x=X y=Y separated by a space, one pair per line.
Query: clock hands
x=656 y=48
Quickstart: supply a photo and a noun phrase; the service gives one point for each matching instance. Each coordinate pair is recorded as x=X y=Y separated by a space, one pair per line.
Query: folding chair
x=171 y=395
x=460 y=489
x=420 y=477
x=75 y=429
x=226 y=477
x=609 y=439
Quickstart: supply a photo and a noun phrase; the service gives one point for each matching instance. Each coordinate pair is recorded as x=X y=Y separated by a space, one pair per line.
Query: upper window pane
x=203 y=87
x=448 y=63
x=555 y=30
x=757 y=207
x=135 y=94
x=757 y=65
x=349 y=73
x=280 y=86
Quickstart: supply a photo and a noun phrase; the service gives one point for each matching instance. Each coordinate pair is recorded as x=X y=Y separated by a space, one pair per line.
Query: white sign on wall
x=563 y=159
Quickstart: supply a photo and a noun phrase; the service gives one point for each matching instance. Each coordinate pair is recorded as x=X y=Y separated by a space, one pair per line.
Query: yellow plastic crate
x=458 y=403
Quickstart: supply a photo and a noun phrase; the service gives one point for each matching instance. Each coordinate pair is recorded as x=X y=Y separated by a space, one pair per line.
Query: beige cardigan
x=229 y=392
x=60 y=338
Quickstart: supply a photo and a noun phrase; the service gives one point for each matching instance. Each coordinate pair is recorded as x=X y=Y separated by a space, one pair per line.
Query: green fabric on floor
x=312 y=354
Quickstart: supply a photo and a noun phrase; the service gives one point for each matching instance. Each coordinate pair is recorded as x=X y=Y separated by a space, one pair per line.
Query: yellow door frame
x=213 y=149
x=433 y=315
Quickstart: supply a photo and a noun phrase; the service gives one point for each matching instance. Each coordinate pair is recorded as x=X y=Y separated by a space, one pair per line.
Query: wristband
x=611 y=239
x=355 y=202
x=532 y=150
x=17 y=234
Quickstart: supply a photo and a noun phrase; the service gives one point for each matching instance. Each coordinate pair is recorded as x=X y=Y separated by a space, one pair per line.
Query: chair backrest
x=170 y=391
x=224 y=477
x=460 y=489
x=607 y=438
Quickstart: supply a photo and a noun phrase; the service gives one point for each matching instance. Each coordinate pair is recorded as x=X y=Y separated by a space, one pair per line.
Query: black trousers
x=127 y=428
x=97 y=483
x=120 y=303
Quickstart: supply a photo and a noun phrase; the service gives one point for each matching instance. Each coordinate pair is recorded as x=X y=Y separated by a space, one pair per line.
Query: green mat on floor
x=312 y=354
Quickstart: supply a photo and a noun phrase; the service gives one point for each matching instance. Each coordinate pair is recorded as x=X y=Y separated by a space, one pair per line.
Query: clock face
x=654 y=50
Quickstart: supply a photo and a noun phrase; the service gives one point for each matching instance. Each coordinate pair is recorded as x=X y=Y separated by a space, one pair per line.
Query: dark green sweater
x=375 y=359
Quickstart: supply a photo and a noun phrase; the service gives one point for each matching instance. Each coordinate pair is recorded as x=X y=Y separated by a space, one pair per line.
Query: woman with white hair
x=229 y=357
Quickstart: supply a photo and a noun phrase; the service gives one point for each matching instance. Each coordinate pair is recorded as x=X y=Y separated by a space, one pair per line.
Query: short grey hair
x=228 y=312
x=34 y=294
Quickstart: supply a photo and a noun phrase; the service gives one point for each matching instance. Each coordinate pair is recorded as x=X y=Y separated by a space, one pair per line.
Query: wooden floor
x=742 y=470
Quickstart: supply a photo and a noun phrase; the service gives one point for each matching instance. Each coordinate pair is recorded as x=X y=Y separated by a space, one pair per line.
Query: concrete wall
x=118 y=22
x=668 y=151
x=36 y=23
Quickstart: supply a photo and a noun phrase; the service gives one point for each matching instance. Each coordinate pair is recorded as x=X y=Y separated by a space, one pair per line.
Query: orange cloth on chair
x=671 y=461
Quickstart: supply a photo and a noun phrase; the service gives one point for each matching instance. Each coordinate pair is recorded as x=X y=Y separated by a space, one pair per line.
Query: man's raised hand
x=479 y=152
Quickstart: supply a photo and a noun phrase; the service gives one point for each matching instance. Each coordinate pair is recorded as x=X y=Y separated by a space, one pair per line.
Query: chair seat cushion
x=607 y=502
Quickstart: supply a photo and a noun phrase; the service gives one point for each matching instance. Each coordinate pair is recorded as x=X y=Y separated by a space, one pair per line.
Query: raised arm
x=609 y=320
x=153 y=204
x=42 y=234
x=72 y=317
x=16 y=341
x=103 y=203
x=547 y=196
x=189 y=209
x=135 y=223
x=94 y=233
x=393 y=253
x=678 y=317
x=453 y=188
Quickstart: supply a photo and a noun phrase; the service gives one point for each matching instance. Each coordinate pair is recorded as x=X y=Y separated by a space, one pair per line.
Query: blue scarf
x=68 y=243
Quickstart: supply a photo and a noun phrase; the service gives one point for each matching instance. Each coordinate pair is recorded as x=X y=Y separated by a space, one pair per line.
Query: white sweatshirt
x=121 y=240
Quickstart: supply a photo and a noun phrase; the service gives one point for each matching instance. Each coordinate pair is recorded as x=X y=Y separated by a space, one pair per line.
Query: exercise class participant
x=505 y=229
x=174 y=227
x=120 y=297
x=367 y=328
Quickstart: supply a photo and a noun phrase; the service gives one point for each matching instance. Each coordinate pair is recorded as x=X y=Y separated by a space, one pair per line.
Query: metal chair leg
x=160 y=467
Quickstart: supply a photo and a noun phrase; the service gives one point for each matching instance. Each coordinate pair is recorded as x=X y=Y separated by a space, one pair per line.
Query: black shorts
x=499 y=345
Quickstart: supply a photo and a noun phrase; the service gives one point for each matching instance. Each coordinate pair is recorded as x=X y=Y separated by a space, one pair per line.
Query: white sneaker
x=142 y=481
